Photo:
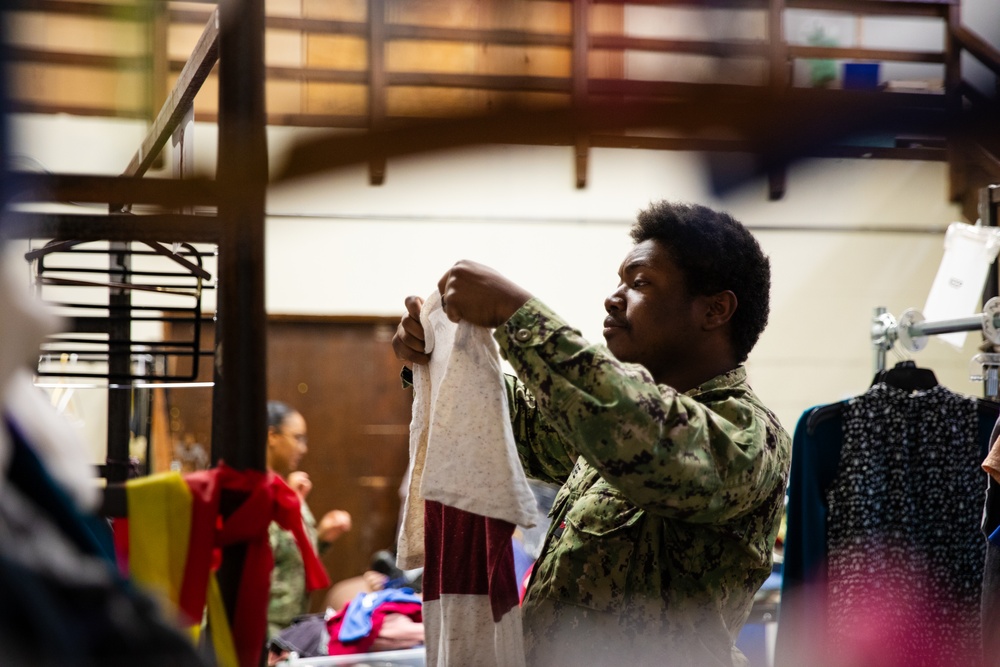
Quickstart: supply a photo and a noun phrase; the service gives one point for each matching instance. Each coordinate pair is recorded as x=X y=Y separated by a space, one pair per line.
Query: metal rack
x=233 y=39
x=911 y=331
x=98 y=330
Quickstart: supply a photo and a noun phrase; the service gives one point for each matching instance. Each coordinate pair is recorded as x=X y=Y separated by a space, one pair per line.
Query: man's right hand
x=408 y=343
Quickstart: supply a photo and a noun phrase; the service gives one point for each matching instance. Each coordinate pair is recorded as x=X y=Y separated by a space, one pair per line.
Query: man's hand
x=477 y=294
x=408 y=343
x=333 y=524
x=300 y=483
x=470 y=292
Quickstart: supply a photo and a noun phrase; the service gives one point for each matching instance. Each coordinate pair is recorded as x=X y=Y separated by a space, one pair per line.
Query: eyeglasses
x=300 y=438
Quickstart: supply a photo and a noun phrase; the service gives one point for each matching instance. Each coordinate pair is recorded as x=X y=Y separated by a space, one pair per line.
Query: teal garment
x=665 y=524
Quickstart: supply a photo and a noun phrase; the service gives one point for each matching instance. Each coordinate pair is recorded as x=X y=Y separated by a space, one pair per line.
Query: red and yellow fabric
x=176 y=533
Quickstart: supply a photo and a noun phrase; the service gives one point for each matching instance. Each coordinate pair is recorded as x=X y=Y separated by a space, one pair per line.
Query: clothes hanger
x=822 y=414
x=158 y=248
x=908 y=376
x=904 y=375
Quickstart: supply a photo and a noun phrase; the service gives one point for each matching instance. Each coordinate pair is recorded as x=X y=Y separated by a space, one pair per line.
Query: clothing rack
x=233 y=40
x=912 y=331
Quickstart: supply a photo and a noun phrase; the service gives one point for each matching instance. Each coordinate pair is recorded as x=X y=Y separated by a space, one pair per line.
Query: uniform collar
x=727 y=380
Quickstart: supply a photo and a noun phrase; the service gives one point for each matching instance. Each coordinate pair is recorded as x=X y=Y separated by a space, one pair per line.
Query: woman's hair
x=277 y=412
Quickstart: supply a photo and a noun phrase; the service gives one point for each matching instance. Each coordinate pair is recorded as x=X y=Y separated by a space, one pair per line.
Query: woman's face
x=286 y=444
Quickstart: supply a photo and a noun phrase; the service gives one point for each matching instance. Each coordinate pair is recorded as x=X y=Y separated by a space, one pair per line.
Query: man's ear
x=720 y=309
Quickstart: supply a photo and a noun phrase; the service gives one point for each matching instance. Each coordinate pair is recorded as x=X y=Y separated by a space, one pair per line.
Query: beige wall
x=336 y=245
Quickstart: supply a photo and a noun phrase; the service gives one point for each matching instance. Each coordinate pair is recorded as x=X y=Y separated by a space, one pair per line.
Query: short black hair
x=715 y=252
x=277 y=412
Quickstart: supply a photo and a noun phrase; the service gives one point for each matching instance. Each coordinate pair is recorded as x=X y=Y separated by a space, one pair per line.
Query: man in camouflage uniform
x=673 y=471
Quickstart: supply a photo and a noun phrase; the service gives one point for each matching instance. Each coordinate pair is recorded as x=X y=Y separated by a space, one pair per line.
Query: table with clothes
x=387 y=620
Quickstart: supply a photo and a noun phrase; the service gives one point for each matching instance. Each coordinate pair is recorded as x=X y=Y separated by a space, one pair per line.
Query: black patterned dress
x=905 y=549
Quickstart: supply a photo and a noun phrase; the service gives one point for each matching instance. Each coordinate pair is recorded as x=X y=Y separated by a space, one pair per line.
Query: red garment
x=413 y=610
x=269 y=499
x=469 y=580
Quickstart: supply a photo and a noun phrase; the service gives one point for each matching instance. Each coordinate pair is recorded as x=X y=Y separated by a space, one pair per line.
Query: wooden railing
x=353 y=76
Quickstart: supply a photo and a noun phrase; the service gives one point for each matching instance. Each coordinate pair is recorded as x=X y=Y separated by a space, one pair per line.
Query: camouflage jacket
x=664 y=527
x=288 y=578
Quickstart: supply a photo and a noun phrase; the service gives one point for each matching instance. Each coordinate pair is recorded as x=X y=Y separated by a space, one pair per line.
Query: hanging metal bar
x=886 y=330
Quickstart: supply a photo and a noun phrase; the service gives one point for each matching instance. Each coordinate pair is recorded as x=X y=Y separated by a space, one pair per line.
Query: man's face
x=651 y=318
x=287 y=444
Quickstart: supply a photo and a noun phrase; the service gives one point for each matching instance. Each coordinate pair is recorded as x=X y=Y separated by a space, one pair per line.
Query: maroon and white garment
x=467 y=492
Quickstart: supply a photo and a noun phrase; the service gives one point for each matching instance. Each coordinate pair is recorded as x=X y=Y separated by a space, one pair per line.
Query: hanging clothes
x=468 y=487
x=991 y=567
x=883 y=554
x=62 y=601
x=178 y=527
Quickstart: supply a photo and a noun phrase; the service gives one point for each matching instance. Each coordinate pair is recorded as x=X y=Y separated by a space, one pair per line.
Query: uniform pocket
x=593 y=556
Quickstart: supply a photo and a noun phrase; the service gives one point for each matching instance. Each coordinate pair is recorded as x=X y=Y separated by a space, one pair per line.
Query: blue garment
x=815 y=455
x=358 y=617
x=26 y=472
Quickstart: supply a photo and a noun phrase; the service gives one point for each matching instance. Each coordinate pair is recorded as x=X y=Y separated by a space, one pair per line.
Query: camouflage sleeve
x=287 y=595
x=666 y=452
x=544 y=454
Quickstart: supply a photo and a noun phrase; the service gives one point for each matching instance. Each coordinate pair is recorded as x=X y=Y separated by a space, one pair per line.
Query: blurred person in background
x=286 y=445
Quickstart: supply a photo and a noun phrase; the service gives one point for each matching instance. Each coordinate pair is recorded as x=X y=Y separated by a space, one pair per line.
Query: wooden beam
x=984 y=52
x=934 y=8
x=396 y=30
x=378 y=82
x=957 y=172
x=106 y=10
x=117 y=227
x=156 y=35
x=891 y=55
x=294 y=23
x=985 y=160
x=239 y=430
x=714 y=4
x=779 y=77
x=718 y=49
x=780 y=128
x=203 y=59
x=486 y=36
x=239 y=397
x=304 y=74
x=581 y=54
x=480 y=81
x=48 y=187
x=20 y=54
x=26 y=106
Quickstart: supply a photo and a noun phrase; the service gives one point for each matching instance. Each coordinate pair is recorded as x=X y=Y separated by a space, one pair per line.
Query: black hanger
x=824 y=412
x=908 y=376
x=987 y=408
x=905 y=370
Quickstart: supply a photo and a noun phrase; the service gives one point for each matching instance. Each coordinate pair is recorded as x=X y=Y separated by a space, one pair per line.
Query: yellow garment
x=159 y=512
x=222 y=636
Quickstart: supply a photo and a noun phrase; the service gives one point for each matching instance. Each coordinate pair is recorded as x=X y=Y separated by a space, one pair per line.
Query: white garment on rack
x=462 y=449
x=23 y=327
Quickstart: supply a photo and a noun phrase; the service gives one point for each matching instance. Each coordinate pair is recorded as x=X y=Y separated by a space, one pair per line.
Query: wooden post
x=239 y=420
